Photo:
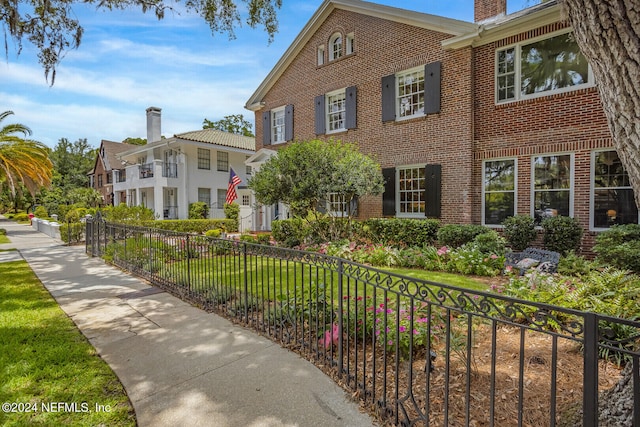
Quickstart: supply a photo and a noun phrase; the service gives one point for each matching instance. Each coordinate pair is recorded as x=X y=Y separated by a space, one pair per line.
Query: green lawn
x=49 y=373
x=4 y=239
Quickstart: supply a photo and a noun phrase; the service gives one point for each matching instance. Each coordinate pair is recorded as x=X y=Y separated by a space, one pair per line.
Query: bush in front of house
x=41 y=212
x=288 y=232
x=198 y=210
x=620 y=246
x=21 y=217
x=562 y=234
x=199 y=226
x=519 y=231
x=400 y=231
x=456 y=235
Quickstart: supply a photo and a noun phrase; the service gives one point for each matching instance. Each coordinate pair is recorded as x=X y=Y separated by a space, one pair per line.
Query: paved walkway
x=179 y=364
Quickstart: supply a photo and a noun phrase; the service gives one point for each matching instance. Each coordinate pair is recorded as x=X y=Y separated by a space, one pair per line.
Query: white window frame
x=321 y=55
x=204 y=195
x=592 y=202
x=514 y=191
x=420 y=191
x=222 y=161
x=517 y=73
x=204 y=159
x=571 y=188
x=349 y=47
x=336 y=111
x=221 y=198
x=336 y=200
x=336 y=46
x=278 y=125
x=418 y=109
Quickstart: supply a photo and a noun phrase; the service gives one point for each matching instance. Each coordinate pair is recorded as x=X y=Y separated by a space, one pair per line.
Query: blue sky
x=129 y=61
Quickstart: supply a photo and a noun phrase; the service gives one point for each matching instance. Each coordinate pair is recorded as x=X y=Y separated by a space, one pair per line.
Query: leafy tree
x=234 y=123
x=51 y=25
x=22 y=161
x=72 y=162
x=304 y=174
x=135 y=141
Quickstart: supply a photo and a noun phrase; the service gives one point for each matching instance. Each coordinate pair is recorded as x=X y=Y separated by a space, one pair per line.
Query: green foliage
x=264 y=238
x=519 y=231
x=249 y=238
x=469 y=259
x=41 y=212
x=455 y=235
x=400 y=231
x=288 y=232
x=234 y=123
x=75 y=214
x=128 y=214
x=304 y=174
x=199 y=226
x=72 y=232
x=620 y=246
x=198 y=210
x=216 y=232
x=490 y=243
x=562 y=234
x=232 y=211
x=21 y=217
x=572 y=264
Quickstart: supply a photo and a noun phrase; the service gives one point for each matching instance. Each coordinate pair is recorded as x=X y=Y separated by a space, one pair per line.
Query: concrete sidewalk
x=179 y=364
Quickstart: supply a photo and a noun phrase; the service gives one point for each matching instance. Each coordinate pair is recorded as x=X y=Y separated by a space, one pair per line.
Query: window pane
x=411 y=190
x=336 y=106
x=277 y=126
x=614 y=206
x=553 y=63
x=204 y=159
x=551 y=203
x=410 y=90
x=497 y=207
x=609 y=171
x=552 y=172
x=499 y=175
x=223 y=161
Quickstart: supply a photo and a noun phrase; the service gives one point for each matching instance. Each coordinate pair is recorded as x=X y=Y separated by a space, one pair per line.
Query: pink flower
x=442 y=251
x=402 y=329
x=494 y=256
x=331 y=337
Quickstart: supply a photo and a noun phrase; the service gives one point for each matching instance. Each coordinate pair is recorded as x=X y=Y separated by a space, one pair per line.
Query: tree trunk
x=608 y=33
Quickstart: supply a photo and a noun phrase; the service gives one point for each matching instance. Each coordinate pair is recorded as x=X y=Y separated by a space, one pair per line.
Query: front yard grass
x=49 y=373
x=4 y=239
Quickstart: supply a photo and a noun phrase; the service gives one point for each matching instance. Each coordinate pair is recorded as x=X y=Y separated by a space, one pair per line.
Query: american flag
x=234 y=181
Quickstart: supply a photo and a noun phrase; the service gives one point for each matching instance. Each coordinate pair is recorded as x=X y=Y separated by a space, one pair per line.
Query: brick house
x=471 y=122
x=101 y=176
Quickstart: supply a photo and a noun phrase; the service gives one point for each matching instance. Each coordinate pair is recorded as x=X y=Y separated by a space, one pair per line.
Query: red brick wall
x=383 y=48
x=484 y=9
x=570 y=122
x=105 y=189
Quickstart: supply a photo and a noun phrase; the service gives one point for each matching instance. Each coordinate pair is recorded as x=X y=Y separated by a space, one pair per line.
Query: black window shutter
x=266 y=128
x=288 y=122
x=320 y=126
x=389 y=195
x=432 y=87
x=389 y=98
x=433 y=190
x=350 y=104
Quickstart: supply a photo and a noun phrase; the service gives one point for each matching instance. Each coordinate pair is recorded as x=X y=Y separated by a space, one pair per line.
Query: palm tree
x=22 y=160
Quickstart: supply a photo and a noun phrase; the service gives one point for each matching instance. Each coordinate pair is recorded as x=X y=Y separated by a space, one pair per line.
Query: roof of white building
x=217 y=137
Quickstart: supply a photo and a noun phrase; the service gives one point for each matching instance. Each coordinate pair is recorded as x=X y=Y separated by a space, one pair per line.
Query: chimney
x=485 y=9
x=153 y=124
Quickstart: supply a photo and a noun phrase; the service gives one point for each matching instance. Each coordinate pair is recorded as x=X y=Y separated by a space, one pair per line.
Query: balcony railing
x=170 y=170
x=146 y=170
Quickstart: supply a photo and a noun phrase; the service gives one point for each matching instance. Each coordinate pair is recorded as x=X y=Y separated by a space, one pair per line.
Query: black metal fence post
x=590 y=374
x=340 y=268
x=246 y=283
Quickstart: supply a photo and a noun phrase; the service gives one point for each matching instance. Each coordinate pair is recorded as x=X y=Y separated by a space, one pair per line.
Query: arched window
x=335 y=47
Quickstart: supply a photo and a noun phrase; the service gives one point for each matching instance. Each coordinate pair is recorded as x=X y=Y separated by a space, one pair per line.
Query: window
x=411 y=191
x=499 y=188
x=222 y=198
x=612 y=198
x=223 y=161
x=552 y=184
x=336 y=111
x=337 y=205
x=204 y=159
x=321 y=55
x=335 y=47
x=277 y=126
x=204 y=195
x=109 y=178
x=246 y=200
x=349 y=44
x=100 y=180
x=411 y=93
x=248 y=169
x=548 y=65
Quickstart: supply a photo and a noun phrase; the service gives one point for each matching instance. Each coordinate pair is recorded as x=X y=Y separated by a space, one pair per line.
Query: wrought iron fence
x=419 y=352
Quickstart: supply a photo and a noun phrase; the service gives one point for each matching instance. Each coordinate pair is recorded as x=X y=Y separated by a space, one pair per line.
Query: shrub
x=129 y=214
x=519 y=231
x=562 y=234
x=41 y=212
x=216 y=232
x=288 y=232
x=400 y=231
x=3 y=231
x=575 y=265
x=21 y=217
x=454 y=235
x=620 y=246
x=490 y=243
x=199 y=226
x=264 y=238
x=198 y=210
x=72 y=232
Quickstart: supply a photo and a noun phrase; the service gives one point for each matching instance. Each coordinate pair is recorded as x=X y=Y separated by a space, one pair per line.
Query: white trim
x=272 y=127
x=333 y=43
x=409 y=214
x=515 y=188
x=327 y=105
x=397 y=96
